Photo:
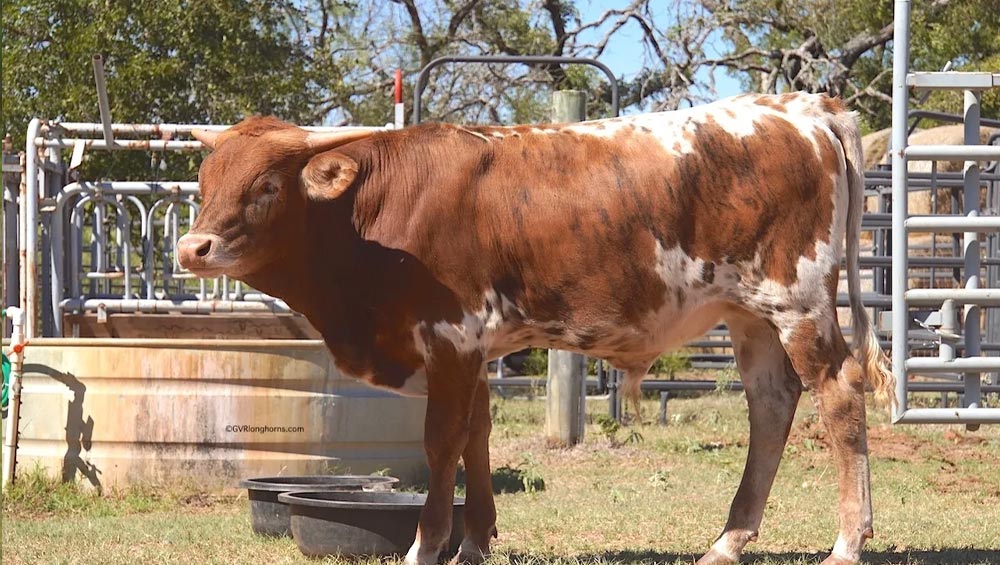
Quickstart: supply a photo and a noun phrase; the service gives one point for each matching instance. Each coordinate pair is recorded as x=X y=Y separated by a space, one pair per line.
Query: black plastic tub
x=361 y=523
x=270 y=517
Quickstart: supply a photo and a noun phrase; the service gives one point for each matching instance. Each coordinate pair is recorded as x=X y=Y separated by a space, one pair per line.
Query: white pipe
x=900 y=100
x=161 y=129
x=123 y=144
x=17 y=341
x=134 y=187
x=951 y=416
x=959 y=365
x=953 y=152
x=29 y=249
x=145 y=306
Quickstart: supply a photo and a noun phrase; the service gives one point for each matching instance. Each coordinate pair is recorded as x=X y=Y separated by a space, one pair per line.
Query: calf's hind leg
x=772 y=391
x=836 y=380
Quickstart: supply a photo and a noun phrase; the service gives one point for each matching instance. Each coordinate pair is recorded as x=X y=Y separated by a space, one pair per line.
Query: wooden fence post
x=565 y=388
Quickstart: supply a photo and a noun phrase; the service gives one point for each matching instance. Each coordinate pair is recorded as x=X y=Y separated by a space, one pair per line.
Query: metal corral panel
x=118 y=412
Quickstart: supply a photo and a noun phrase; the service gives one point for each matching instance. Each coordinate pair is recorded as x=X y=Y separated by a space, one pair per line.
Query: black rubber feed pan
x=361 y=523
x=270 y=518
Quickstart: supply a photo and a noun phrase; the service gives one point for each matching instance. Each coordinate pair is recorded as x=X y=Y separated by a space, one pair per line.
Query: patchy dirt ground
x=628 y=495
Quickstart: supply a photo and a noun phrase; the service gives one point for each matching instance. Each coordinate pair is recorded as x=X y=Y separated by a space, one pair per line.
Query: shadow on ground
x=947 y=556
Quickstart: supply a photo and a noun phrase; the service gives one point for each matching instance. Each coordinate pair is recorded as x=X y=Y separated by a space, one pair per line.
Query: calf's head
x=255 y=187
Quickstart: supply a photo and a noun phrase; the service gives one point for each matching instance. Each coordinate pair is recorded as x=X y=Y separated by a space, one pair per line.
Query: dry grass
x=656 y=496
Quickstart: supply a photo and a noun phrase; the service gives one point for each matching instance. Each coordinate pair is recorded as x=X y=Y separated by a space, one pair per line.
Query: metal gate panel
x=954 y=329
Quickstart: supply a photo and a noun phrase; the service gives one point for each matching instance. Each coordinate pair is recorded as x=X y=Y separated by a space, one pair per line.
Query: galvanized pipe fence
x=106 y=247
x=956 y=311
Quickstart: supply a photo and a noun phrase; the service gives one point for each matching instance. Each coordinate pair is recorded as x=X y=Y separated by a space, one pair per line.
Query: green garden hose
x=5 y=366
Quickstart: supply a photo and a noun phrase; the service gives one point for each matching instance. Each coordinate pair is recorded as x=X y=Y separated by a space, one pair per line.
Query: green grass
x=638 y=494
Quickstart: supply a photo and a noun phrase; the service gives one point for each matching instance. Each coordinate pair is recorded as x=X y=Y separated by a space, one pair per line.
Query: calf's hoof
x=835 y=559
x=716 y=557
x=468 y=554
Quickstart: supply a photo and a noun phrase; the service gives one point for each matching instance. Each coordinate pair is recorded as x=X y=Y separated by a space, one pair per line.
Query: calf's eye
x=270 y=188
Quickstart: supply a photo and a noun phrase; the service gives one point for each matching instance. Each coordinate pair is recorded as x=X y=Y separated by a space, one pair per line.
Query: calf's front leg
x=451 y=388
x=480 y=510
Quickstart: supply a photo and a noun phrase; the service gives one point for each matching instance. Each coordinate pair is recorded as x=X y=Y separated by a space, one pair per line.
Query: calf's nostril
x=204 y=248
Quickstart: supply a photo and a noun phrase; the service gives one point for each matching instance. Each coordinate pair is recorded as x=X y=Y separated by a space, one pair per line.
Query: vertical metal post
x=102 y=99
x=54 y=181
x=879 y=250
x=11 y=239
x=17 y=341
x=613 y=395
x=565 y=405
x=900 y=101
x=934 y=210
x=582 y=416
x=992 y=319
x=956 y=239
x=399 y=118
x=949 y=327
x=29 y=232
x=970 y=200
x=97 y=246
x=664 y=397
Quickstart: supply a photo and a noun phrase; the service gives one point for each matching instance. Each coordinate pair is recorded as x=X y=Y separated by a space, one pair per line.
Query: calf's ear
x=327 y=175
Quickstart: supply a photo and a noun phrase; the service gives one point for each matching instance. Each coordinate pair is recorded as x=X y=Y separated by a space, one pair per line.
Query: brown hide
x=564 y=225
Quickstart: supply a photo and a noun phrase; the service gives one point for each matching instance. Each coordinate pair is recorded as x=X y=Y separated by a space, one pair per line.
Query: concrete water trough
x=270 y=517
x=207 y=413
x=349 y=524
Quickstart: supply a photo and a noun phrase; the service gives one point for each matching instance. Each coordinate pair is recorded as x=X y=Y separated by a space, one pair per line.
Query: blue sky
x=625 y=54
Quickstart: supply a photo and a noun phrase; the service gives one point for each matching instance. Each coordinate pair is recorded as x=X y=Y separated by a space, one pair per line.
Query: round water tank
x=208 y=412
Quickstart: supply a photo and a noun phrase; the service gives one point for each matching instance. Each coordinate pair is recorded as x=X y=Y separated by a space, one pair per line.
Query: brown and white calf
x=422 y=253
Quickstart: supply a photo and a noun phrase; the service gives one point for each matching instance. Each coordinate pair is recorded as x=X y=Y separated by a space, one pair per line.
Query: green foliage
x=43 y=494
x=194 y=62
x=725 y=378
x=660 y=480
x=524 y=477
x=609 y=427
x=531 y=477
x=671 y=363
x=966 y=33
x=634 y=437
x=537 y=362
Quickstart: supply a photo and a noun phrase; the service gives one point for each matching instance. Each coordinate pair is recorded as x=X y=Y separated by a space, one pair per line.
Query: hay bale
x=876 y=150
x=876 y=147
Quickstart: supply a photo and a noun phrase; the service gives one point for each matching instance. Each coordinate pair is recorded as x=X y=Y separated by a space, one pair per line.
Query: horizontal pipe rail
x=945 y=262
x=952 y=152
x=934 y=296
x=146 y=306
x=918 y=115
x=132 y=188
x=959 y=365
x=122 y=144
x=925 y=181
x=708 y=385
x=424 y=75
x=949 y=416
x=170 y=129
x=952 y=80
x=953 y=224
